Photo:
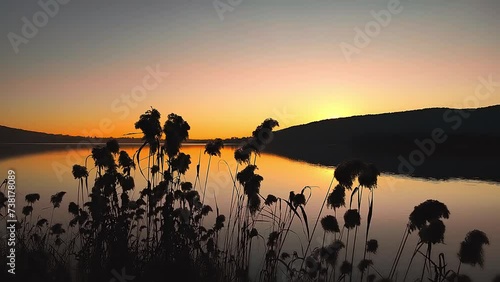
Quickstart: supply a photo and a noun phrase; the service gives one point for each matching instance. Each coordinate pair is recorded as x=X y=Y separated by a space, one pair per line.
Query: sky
x=93 y=67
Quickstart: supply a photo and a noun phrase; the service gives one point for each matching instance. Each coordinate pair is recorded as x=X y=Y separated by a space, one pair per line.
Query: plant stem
x=206 y=180
x=317 y=220
x=417 y=248
x=458 y=270
x=428 y=257
x=404 y=239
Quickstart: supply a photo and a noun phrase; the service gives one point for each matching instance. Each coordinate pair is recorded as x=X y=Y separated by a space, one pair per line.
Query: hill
x=15 y=135
x=20 y=136
x=408 y=142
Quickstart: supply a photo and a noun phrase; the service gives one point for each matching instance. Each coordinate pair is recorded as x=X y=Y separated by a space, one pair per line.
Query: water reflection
x=473 y=204
x=396 y=161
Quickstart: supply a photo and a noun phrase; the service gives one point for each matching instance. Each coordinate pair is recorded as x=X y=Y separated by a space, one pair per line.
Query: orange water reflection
x=473 y=204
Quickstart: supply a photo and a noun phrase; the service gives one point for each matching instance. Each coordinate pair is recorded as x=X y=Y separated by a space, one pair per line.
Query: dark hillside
x=470 y=136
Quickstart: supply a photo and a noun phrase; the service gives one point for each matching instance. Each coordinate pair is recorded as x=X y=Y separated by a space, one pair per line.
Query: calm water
x=473 y=204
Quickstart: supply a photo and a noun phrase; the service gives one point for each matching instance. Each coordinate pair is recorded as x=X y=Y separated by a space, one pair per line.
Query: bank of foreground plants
x=165 y=230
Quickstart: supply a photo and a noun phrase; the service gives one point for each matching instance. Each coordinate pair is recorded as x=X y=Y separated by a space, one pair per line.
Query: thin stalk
x=353 y=249
x=346 y=248
x=360 y=195
x=286 y=234
x=148 y=224
x=368 y=229
x=206 y=179
x=428 y=257
x=404 y=239
x=231 y=206
x=417 y=248
x=197 y=179
x=317 y=220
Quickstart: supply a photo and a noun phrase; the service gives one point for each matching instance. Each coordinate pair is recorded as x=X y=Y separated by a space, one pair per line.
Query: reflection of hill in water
x=437 y=166
x=470 y=151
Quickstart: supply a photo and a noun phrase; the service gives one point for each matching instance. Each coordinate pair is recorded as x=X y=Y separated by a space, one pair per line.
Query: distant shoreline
x=86 y=142
x=9 y=135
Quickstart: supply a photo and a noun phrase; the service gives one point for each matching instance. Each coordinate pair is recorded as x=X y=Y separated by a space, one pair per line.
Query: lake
x=46 y=169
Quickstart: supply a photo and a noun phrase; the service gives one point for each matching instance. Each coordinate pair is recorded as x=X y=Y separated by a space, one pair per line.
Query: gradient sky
x=279 y=59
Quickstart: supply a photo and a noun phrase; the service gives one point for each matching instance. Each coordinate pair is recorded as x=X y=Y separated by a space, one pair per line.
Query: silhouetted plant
x=125 y=162
x=73 y=208
x=262 y=135
x=242 y=155
x=3 y=200
x=103 y=158
x=426 y=217
x=186 y=186
x=271 y=199
x=113 y=146
x=368 y=176
x=458 y=278
x=330 y=224
x=80 y=172
x=57 y=229
x=180 y=163
x=346 y=172
x=27 y=210
x=432 y=233
x=244 y=175
x=32 y=198
x=212 y=148
x=372 y=246
x=149 y=124
x=346 y=268
x=176 y=131
x=253 y=203
x=471 y=249
x=330 y=253
x=297 y=199
x=312 y=267
x=337 y=198
x=364 y=265
x=56 y=199
x=426 y=212
x=352 y=219
x=160 y=228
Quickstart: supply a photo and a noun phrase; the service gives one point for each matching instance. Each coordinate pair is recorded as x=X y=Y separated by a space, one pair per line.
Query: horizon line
x=125 y=136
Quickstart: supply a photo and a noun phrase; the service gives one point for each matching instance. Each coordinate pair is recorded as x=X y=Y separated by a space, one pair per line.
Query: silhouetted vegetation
x=166 y=230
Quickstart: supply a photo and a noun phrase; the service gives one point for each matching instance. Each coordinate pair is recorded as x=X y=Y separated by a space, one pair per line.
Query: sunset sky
x=229 y=71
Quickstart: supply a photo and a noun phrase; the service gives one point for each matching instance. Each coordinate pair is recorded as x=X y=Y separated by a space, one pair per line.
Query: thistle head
x=330 y=224
x=352 y=219
x=471 y=249
x=213 y=147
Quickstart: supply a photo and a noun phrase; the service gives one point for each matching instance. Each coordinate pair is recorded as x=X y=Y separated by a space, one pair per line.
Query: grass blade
x=304 y=215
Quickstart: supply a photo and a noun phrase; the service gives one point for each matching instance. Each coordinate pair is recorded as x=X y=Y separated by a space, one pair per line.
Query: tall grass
x=163 y=230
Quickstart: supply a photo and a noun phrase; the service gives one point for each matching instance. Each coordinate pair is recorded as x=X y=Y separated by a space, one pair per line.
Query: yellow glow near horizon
x=226 y=77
